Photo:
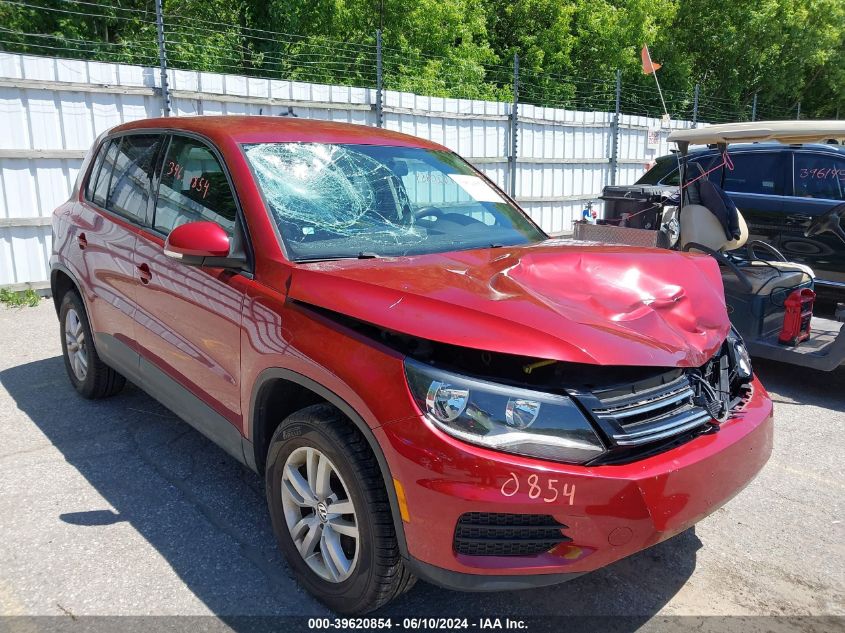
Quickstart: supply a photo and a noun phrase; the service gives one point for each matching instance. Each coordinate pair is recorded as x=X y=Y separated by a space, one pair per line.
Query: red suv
x=431 y=386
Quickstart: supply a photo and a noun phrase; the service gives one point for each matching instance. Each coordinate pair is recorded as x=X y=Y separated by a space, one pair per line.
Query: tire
x=88 y=374
x=376 y=573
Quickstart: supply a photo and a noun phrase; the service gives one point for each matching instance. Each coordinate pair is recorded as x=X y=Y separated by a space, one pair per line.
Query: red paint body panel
x=556 y=300
x=367 y=376
x=215 y=333
x=251 y=129
x=188 y=322
x=106 y=268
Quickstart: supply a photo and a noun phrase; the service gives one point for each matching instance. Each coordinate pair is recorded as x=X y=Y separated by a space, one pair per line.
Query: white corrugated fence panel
x=563 y=154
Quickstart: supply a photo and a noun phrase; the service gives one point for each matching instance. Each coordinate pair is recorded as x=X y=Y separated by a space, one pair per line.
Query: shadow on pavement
x=797 y=385
x=206 y=515
x=92 y=517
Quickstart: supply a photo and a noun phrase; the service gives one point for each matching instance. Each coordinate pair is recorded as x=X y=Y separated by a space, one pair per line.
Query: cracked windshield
x=349 y=201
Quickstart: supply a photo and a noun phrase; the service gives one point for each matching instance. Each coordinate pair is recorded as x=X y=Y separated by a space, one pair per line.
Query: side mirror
x=202 y=244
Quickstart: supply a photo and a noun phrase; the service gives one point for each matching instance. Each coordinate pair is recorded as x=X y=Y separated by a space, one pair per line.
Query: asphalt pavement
x=116 y=507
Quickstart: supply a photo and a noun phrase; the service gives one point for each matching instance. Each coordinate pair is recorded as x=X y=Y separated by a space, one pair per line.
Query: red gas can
x=799 y=313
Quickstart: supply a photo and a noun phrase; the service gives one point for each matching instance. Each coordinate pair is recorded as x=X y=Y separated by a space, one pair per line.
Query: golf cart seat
x=700 y=227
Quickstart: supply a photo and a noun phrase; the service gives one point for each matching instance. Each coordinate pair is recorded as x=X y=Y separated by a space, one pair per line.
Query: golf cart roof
x=782 y=131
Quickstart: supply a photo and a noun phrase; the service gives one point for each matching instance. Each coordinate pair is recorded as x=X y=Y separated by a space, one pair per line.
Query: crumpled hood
x=560 y=299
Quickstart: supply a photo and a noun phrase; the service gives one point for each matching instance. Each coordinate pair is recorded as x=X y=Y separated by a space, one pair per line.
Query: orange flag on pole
x=648 y=65
x=650 y=68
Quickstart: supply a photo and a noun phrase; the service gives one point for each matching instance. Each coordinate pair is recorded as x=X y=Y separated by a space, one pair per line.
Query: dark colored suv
x=780 y=190
x=429 y=384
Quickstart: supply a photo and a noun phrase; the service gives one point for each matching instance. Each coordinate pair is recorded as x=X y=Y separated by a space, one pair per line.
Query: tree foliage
x=783 y=51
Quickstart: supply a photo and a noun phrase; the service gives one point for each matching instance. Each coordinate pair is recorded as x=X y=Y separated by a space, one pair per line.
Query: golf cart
x=769 y=299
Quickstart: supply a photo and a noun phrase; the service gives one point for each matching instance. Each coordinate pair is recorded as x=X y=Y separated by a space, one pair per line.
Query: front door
x=189 y=319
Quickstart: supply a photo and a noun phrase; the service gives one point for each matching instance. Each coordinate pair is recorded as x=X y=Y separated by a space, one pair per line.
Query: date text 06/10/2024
x=416 y=624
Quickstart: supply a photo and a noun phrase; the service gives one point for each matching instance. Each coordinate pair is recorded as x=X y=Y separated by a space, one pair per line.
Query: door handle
x=82 y=241
x=145 y=274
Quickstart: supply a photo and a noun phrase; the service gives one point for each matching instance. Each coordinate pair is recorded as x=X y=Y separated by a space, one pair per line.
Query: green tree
x=609 y=36
x=786 y=51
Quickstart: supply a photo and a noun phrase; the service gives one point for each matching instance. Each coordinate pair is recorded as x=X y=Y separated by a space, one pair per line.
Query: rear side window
x=99 y=189
x=712 y=164
x=665 y=171
x=658 y=174
x=193 y=188
x=129 y=189
x=819 y=176
x=91 y=185
x=756 y=172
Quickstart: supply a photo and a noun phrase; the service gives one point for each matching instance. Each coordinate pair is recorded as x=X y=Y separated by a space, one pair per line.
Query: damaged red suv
x=431 y=386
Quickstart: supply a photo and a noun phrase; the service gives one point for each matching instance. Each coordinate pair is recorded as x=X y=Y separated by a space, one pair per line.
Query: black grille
x=661 y=408
x=649 y=414
x=498 y=534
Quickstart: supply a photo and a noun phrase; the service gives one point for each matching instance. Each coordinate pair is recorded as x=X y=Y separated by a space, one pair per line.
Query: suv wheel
x=90 y=376
x=330 y=512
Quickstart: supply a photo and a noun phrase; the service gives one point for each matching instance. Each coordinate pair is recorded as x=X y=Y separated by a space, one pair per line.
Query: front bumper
x=610 y=511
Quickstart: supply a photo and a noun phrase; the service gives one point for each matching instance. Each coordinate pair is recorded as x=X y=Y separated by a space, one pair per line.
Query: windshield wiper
x=361 y=255
x=328 y=258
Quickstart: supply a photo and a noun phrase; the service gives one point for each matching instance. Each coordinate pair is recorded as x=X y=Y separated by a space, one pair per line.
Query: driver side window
x=193 y=188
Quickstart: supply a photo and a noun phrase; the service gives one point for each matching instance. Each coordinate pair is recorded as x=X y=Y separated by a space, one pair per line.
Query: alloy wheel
x=320 y=515
x=77 y=349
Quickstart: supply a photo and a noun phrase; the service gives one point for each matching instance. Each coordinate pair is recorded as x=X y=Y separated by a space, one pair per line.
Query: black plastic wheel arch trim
x=332 y=398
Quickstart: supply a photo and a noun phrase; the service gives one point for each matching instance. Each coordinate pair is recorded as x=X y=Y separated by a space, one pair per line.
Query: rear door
x=758 y=185
x=115 y=207
x=818 y=186
x=189 y=318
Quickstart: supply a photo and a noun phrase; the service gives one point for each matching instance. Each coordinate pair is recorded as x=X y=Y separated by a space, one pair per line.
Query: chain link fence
x=552 y=141
x=192 y=43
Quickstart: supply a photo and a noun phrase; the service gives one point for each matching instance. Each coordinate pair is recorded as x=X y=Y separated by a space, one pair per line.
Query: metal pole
x=798 y=114
x=654 y=72
x=514 y=126
x=614 y=140
x=754 y=108
x=379 y=82
x=695 y=106
x=162 y=59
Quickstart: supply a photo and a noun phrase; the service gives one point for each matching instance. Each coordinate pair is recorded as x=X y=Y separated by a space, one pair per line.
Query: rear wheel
x=330 y=512
x=90 y=376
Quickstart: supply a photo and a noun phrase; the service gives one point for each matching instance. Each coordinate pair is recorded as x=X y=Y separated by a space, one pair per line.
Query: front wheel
x=330 y=512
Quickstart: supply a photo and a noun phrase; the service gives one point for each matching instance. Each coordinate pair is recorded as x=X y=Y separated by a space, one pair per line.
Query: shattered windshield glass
x=338 y=201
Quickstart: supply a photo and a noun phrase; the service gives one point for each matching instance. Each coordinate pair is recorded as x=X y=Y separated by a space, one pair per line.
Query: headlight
x=510 y=419
x=739 y=355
